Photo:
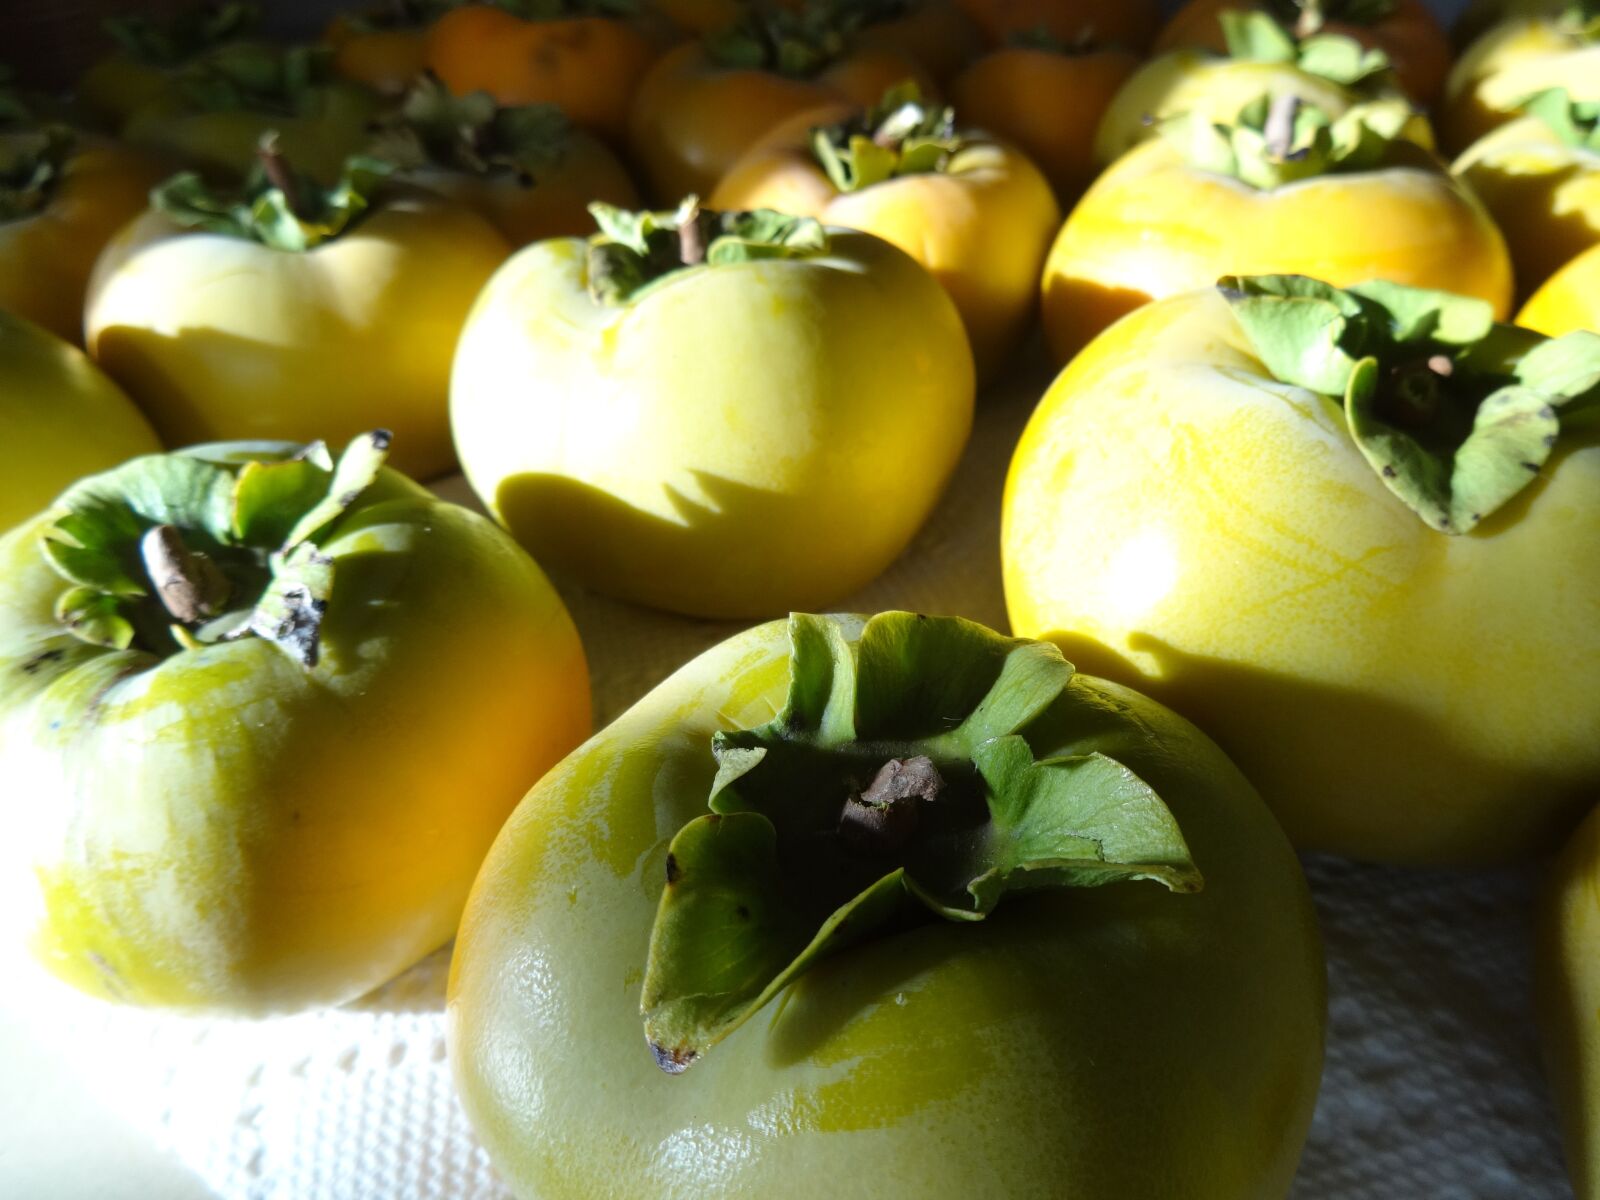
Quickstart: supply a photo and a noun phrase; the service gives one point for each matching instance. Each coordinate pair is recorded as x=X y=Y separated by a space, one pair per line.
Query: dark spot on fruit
x=742 y=913
x=673 y=874
x=32 y=665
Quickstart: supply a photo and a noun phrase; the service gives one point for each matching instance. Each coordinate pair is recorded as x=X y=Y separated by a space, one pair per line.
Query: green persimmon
x=959 y=921
x=261 y=715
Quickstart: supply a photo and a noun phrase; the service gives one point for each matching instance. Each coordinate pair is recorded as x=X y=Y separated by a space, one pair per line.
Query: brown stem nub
x=691 y=243
x=1309 y=20
x=189 y=585
x=1279 y=129
x=882 y=819
x=276 y=168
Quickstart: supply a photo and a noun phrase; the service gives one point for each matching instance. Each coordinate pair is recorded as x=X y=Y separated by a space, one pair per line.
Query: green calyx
x=276 y=205
x=895 y=785
x=1575 y=122
x=559 y=10
x=795 y=44
x=472 y=133
x=635 y=250
x=399 y=14
x=1306 y=17
x=1455 y=413
x=176 y=551
x=31 y=164
x=255 y=77
x=1257 y=37
x=186 y=34
x=901 y=135
x=1278 y=140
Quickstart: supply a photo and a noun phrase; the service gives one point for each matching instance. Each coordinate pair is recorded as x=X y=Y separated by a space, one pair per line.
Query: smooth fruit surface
x=221 y=337
x=1153 y=226
x=738 y=441
x=1116 y=1041
x=1569 y=299
x=227 y=829
x=1178 y=520
x=62 y=419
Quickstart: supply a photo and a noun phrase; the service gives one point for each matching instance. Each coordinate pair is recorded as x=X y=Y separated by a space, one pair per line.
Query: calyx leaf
x=1279 y=140
x=256 y=77
x=556 y=10
x=1257 y=37
x=176 y=551
x=276 y=205
x=472 y=133
x=31 y=164
x=634 y=250
x=1455 y=413
x=894 y=786
x=1306 y=17
x=188 y=32
x=1575 y=122
x=794 y=43
x=900 y=135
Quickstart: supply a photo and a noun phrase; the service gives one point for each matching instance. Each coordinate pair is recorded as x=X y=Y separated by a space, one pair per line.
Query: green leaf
x=1298 y=327
x=1071 y=822
x=95 y=617
x=471 y=133
x=796 y=43
x=263 y=211
x=269 y=497
x=636 y=249
x=187 y=32
x=1575 y=122
x=1255 y=36
x=31 y=164
x=893 y=787
x=901 y=135
x=353 y=474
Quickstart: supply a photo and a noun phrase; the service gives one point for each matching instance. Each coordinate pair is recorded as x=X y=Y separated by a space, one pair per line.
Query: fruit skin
x=1047 y=104
x=1119 y=1037
x=590 y=66
x=1152 y=226
x=385 y=60
x=46 y=258
x=935 y=34
x=1567 y=999
x=1215 y=538
x=981 y=226
x=1505 y=66
x=63 y=419
x=226 y=830
x=1544 y=196
x=738 y=441
x=692 y=119
x=1410 y=35
x=556 y=204
x=221 y=337
x=1568 y=300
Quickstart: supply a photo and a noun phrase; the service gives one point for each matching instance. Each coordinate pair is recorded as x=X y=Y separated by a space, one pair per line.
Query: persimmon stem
x=276 y=168
x=1279 y=128
x=186 y=583
x=691 y=243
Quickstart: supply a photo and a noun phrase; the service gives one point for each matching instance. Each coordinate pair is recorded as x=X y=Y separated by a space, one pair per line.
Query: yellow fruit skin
x=1567 y=999
x=1178 y=521
x=62 y=419
x=1107 y=1042
x=1152 y=226
x=1508 y=64
x=1569 y=299
x=219 y=337
x=226 y=830
x=46 y=258
x=739 y=441
x=981 y=226
x=1543 y=195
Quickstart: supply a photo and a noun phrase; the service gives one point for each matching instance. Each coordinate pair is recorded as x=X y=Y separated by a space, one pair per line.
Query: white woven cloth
x=1432 y=1089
